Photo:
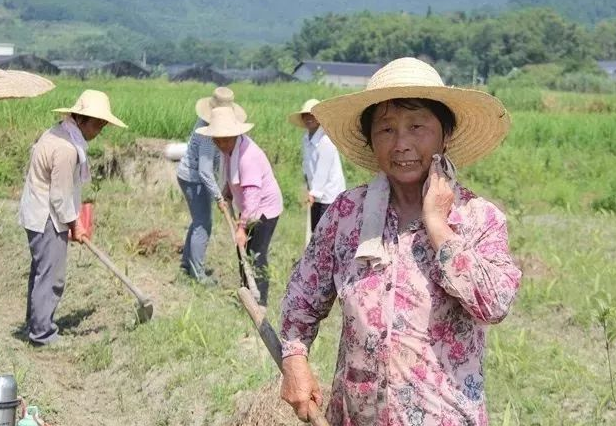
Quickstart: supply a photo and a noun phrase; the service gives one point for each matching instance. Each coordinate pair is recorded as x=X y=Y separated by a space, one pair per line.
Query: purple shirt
x=255 y=171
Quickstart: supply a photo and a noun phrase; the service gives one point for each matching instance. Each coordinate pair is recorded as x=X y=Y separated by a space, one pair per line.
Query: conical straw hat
x=21 y=84
x=482 y=122
x=93 y=103
x=296 y=117
x=224 y=123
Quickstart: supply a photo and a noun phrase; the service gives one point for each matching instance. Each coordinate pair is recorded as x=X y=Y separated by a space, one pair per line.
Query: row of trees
x=463 y=47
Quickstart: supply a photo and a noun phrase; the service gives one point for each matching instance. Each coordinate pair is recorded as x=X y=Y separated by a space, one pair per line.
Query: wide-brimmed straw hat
x=296 y=117
x=21 y=84
x=222 y=97
x=224 y=123
x=482 y=122
x=93 y=103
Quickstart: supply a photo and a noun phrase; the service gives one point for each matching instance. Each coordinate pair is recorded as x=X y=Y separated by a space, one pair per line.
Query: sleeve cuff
x=316 y=194
x=67 y=219
x=294 y=348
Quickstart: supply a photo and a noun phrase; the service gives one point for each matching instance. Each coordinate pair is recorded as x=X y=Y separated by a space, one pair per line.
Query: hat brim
x=224 y=131
x=21 y=84
x=296 y=119
x=204 y=110
x=102 y=115
x=482 y=122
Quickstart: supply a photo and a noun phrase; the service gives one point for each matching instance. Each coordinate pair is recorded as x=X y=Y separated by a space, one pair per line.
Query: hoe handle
x=270 y=338
x=109 y=264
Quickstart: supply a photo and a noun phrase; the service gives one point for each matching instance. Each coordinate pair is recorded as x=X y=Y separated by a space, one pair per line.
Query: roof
x=125 y=69
x=29 y=63
x=353 y=69
x=259 y=75
x=78 y=65
x=201 y=73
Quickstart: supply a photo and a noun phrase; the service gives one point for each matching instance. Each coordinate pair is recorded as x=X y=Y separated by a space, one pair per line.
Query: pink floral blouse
x=413 y=333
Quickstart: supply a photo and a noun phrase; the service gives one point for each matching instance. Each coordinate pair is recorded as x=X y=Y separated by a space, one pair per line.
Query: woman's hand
x=240 y=237
x=299 y=386
x=226 y=193
x=77 y=232
x=436 y=207
x=439 y=198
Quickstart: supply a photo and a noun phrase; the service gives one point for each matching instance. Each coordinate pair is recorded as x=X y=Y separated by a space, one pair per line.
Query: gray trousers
x=200 y=207
x=46 y=282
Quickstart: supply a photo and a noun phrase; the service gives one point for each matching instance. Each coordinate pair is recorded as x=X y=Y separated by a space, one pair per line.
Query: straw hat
x=93 y=103
x=224 y=123
x=222 y=97
x=296 y=117
x=482 y=121
x=21 y=84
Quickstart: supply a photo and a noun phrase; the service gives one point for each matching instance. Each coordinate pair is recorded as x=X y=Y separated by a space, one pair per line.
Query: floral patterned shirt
x=413 y=333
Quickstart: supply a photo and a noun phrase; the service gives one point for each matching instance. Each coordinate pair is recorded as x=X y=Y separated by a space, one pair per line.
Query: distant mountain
x=269 y=21
x=584 y=11
x=215 y=29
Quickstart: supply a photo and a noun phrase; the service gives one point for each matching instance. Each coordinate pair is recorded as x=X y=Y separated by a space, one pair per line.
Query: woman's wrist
x=438 y=231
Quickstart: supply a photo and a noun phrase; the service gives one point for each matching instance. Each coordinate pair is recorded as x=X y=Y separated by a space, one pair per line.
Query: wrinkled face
x=404 y=141
x=90 y=127
x=310 y=122
x=225 y=144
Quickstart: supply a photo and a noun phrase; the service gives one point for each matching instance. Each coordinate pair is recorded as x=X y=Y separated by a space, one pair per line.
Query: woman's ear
x=446 y=141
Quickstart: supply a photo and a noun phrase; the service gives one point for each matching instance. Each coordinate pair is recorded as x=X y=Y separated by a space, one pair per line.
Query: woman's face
x=225 y=144
x=310 y=122
x=404 y=141
x=90 y=127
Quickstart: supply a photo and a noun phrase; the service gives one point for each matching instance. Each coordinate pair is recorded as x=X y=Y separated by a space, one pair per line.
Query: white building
x=609 y=67
x=7 y=49
x=344 y=74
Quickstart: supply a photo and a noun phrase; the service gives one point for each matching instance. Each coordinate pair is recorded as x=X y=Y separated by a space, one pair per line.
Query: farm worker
x=252 y=186
x=50 y=205
x=321 y=163
x=21 y=84
x=420 y=264
x=197 y=178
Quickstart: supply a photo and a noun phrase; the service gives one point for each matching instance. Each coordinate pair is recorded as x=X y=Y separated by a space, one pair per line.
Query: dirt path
x=95 y=309
x=84 y=378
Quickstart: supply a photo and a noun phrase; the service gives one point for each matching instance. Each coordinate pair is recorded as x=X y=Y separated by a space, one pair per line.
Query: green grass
x=546 y=364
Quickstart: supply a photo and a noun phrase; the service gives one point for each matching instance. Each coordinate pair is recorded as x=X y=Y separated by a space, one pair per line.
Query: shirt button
x=388 y=286
x=384 y=334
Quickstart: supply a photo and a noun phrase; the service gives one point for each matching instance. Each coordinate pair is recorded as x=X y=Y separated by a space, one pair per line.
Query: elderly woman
x=321 y=163
x=197 y=179
x=420 y=264
x=50 y=205
x=253 y=187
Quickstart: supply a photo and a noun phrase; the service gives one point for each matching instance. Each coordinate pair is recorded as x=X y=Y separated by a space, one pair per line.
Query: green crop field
x=546 y=364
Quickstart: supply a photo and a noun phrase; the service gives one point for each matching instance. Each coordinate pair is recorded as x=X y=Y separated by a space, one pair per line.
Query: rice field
x=555 y=177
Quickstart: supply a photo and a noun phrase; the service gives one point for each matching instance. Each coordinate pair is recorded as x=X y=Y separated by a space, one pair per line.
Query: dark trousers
x=259 y=238
x=46 y=282
x=316 y=211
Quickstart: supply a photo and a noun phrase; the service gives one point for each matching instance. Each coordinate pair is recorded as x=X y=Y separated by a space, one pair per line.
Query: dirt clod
x=265 y=408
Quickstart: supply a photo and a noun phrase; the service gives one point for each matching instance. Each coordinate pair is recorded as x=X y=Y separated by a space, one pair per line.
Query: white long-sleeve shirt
x=53 y=185
x=322 y=167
